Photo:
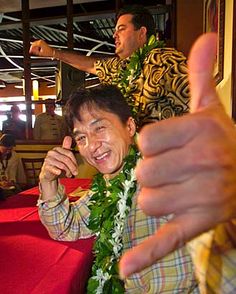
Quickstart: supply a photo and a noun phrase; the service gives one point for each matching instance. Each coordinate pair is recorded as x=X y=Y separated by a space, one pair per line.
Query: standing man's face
x=103 y=140
x=127 y=38
x=50 y=109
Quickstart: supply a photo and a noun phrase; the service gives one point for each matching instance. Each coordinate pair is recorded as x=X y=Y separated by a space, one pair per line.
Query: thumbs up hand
x=58 y=160
x=189 y=166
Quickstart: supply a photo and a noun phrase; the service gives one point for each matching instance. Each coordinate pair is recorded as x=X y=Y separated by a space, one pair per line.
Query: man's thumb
x=201 y=63
x=67 y=142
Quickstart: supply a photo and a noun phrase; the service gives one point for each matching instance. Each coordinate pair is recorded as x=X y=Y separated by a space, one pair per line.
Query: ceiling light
x=2 y=84
x=18 y=86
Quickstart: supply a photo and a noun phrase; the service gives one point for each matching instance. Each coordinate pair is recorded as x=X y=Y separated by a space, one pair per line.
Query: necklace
x=109 y=207
x=131 y=69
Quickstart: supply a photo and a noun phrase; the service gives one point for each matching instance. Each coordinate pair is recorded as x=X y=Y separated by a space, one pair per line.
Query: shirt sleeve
x=106 y=70
x=214 y=257
x=64 y=220
x=176 y=82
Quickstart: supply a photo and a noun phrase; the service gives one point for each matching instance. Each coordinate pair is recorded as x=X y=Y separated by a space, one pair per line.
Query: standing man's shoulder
x=166 y=55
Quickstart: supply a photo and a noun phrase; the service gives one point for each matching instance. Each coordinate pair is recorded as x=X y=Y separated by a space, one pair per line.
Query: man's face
x=5 y=150
x=15 y=114
x=50 y=108
x=103 y=140
x=127 y=38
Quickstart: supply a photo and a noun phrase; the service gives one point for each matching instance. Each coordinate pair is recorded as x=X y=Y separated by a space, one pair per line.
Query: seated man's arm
x=64 y=221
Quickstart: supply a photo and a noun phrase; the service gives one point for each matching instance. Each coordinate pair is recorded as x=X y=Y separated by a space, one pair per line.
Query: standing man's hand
x=189 y=167
x=41 y=48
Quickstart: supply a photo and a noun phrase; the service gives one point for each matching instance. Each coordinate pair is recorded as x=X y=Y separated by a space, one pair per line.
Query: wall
x=11 y=91
x=190 y=25
x=225 y=87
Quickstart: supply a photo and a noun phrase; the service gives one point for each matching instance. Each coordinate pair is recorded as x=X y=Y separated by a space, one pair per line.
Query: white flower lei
x=119 y=222
x=110 y=205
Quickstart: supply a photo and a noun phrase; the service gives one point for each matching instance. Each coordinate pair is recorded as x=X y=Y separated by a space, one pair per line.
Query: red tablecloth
x=30 y=261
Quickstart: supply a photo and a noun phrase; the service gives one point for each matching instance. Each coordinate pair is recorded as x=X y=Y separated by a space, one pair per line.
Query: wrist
x=55 y=54
x=48 y=189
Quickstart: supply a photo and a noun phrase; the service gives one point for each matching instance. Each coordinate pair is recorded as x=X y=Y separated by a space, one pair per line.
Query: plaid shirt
x=173 y=274
x=214 y=257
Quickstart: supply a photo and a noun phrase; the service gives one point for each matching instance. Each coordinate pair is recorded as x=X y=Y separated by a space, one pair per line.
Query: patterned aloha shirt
x=161 y=91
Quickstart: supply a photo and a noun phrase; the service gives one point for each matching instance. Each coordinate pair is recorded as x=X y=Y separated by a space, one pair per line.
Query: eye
x=100 y=128
x=80 y=140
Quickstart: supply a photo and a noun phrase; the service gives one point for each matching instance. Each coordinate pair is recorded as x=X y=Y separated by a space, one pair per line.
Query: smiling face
x=103 y=140
x=127 y=38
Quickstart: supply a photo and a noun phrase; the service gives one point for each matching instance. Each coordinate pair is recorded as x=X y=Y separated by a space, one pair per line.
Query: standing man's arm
x=82 y=62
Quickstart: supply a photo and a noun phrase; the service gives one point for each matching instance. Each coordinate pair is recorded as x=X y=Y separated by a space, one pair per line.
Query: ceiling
x=93 y=26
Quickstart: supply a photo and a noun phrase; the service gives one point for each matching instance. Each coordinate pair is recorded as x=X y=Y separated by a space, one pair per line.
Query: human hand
x=189 y=167
x=58 y=160
x=41 y=48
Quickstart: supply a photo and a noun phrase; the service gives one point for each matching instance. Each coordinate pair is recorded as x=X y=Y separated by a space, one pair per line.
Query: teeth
x=101 y=157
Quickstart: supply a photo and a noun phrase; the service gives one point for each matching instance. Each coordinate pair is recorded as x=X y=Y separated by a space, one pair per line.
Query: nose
x=114 y=34
x=93 y=144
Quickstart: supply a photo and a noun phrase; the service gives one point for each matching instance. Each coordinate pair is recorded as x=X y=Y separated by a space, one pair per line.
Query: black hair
x=104 y=97
x=7 y=140
x=141 y=18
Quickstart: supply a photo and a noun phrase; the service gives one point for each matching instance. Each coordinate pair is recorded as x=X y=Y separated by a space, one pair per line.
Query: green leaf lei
x=109 y=207
x=131 y=71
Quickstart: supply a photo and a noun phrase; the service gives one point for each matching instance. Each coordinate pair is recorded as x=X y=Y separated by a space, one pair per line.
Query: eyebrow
x=77 y=132
x=119 y=27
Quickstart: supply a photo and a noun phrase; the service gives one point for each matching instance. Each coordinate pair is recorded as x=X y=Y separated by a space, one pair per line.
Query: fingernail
x=125 y=271
x=75 y=172
x=122 y=275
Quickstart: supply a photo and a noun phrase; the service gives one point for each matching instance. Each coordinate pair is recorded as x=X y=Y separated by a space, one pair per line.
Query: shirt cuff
x=49 y=203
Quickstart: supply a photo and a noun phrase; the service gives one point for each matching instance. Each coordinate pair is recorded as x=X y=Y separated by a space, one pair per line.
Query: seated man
x=10 y=166
x=104 y=132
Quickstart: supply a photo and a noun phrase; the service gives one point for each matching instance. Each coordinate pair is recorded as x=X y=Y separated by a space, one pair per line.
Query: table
x=30 y=261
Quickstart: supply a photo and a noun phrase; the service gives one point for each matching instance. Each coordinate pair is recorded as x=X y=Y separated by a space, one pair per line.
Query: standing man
x=48 y=125
x=104 y=132
x=14 y=125
x=153 y=80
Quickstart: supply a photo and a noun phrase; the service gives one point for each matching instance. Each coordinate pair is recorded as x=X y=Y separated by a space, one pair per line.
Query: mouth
x=102 y=157
x=117 y=44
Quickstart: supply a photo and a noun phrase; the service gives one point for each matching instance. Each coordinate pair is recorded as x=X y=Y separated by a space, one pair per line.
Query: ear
x=131 y=126
x=143 y=33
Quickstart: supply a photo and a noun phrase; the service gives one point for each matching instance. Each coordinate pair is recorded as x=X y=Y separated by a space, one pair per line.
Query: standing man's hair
x=141 y=18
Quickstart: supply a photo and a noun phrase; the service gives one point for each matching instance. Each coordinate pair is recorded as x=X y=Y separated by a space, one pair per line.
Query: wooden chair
x=32 y=167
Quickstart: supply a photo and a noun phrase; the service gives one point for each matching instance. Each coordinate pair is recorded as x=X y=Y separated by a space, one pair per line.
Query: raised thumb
x=201 y=63
x=67 y=142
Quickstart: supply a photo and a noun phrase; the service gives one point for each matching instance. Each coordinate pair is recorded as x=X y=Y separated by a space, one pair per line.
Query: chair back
x=32 y=167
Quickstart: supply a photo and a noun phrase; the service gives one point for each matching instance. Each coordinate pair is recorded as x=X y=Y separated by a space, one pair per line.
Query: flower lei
x=109 y=207
x=132 y=69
